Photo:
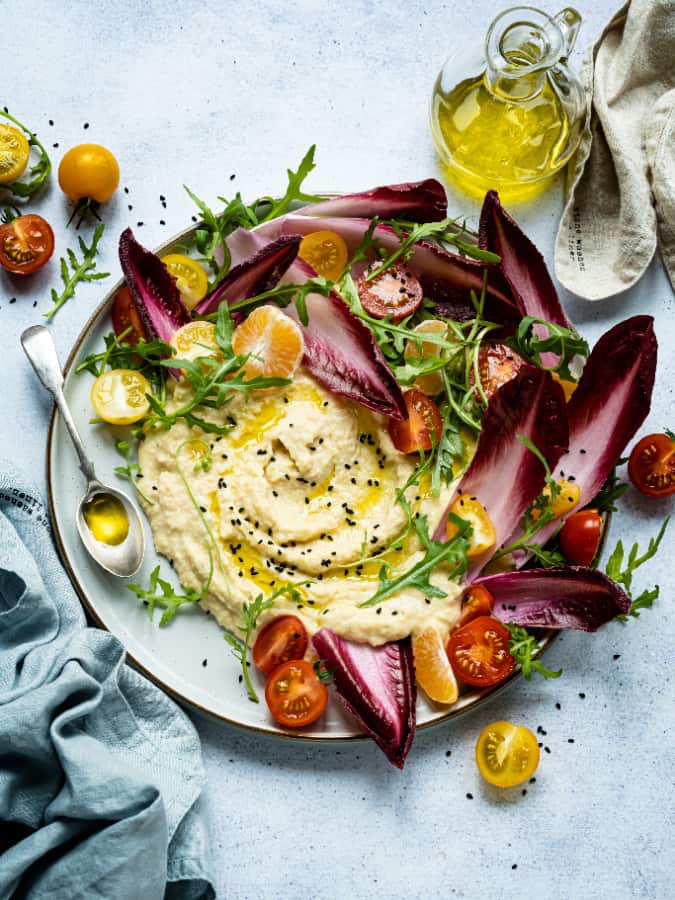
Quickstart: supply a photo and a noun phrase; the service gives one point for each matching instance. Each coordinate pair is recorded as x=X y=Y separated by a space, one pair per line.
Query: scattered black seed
x=241 y=678
x=205 y=662
x=34 y=303
x=162 y=222
x=514 y=866
x=126 y=190
x=86 y=125
x=232 y=177
x=51 y=121
x=547 y=749
x=570 y=740
x=523 y=792
x=532 y=780
x=582 y=696
x=617 y=656
x=557 y=706
x=378 y=610
x=448 y=753
x=469 y=796
x=56 y=144
x=139 y=224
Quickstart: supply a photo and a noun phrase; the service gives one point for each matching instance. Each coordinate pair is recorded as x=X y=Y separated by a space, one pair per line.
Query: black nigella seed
x=582 y=696
x=469 y=796
x=205 y=662
x=86 y=125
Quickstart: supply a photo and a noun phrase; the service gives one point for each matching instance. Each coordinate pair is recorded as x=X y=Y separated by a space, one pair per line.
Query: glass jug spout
x=522 y=45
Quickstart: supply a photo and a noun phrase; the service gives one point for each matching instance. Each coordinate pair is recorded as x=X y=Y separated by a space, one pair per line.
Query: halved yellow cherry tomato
x=190 y=278
x=89 y=172
x=432 y=383
x=506 y=754
x=119 y=396
x=14 y=153
x=326 y=252
x=566 y=500
x=471 y=509
x=195 y=339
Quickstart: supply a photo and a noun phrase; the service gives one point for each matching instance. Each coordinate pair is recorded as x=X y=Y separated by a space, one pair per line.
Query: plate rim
x=478 y=697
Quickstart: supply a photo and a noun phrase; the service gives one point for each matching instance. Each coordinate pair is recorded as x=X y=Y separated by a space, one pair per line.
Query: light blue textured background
x=195 y=92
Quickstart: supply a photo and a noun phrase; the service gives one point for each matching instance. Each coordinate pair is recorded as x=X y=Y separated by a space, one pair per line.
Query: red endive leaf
x=522 y=264
x=445 y=277
x=153 y=289
x=562 y=597
x=377 y=685
x=414 y=201
x=609 y=405
x=504 y=475
x=341 y=352
x=259 y=273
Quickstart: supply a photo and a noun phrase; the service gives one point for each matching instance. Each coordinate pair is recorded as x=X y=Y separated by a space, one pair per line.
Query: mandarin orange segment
x=432 y=667
x=273 y=340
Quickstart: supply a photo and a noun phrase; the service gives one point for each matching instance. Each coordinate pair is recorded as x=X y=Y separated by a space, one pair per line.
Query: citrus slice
x=272 y=340
x=432 y=667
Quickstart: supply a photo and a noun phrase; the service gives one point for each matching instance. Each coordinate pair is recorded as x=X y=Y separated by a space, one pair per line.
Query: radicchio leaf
x=504 y=475
x=563 y=597
x=260 y=272
x=341 y=352
x=377 y=685
x=154 y=291
x=522 y=264
x=607 y=408
x=415 y=201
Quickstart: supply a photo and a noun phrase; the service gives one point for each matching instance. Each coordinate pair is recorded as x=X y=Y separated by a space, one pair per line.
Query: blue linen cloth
x=100 y=772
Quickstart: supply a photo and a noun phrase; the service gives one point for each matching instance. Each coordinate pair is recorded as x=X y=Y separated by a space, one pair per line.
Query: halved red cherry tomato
x=651 y=466
x=479 y=652
x=580 y=537
x=497 y=364
x=423 y=427
x=295 y=695
x=477 y=601
x=125 y=315
x=284 y=638
x=396 y=292
x=26 y=243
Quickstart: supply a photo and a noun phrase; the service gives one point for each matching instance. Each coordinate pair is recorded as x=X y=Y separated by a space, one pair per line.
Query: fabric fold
x=100 y=772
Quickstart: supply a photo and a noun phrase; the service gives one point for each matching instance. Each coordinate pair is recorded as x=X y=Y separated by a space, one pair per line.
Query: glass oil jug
x=511 y=117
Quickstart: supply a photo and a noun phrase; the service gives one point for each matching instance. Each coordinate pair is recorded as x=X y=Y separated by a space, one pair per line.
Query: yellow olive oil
x=107 y=519
x=487 y=142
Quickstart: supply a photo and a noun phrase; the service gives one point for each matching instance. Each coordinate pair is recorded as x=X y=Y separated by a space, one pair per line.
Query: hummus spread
x=301 y=488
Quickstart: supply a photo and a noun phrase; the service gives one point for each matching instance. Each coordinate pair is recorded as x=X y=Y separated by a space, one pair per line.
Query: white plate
x=189 y=658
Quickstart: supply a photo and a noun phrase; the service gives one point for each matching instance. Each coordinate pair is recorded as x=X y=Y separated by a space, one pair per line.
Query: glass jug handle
x=568 y=21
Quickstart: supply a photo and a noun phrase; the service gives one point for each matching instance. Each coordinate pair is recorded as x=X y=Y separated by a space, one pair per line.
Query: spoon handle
x=38 y=346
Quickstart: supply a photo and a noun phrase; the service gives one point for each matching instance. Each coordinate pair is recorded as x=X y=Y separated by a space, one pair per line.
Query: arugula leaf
x=145 y=357
x=622 y=572
x=546 y=558
x=294 y=188
x=251 y=612
x=611 y=491
x=161 y=593
x=81 y=271
x=130 y=469
x=524 y=648
x=562 y=341
x=39 y=172
x=452 y=552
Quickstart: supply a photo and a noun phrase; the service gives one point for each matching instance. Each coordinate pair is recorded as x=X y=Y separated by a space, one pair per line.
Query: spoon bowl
x=121 y=557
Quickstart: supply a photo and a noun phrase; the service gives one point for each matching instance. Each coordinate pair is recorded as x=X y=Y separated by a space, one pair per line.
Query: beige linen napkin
x=621 y=181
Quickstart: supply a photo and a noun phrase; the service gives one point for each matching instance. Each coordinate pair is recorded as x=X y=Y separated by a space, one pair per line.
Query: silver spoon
x=124 y=557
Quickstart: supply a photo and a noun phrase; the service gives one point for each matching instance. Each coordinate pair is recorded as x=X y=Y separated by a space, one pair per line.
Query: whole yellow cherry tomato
x=89 y=172
x=119 y=396
x=14 y=153
x=507 y=754
x=190 y=278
